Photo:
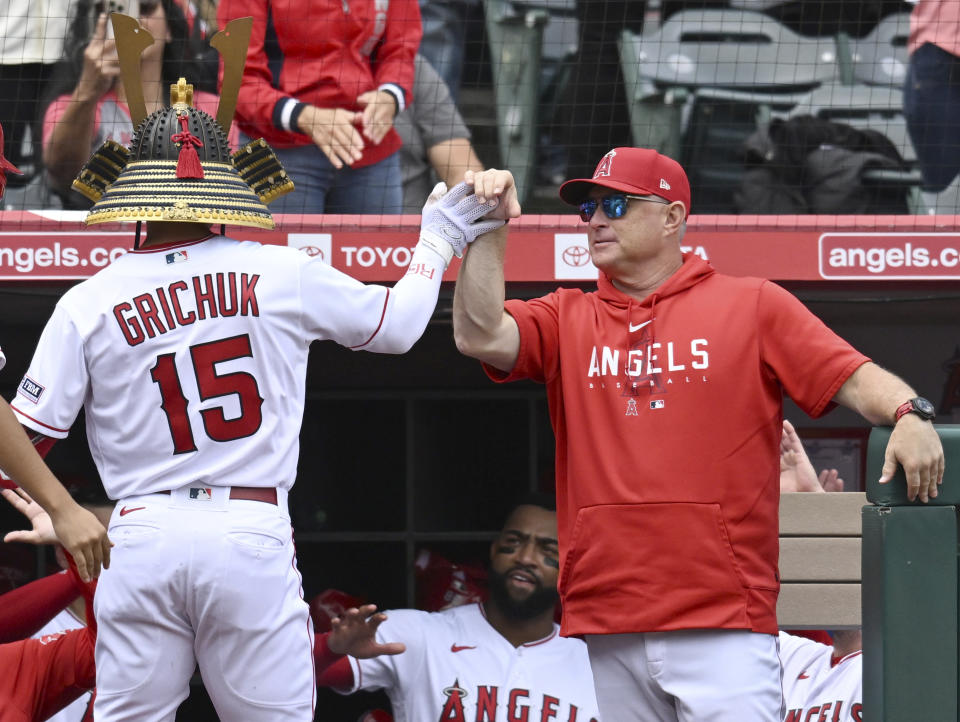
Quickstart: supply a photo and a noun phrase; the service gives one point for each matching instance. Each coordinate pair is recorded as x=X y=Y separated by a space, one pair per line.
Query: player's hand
x=915 y=445
x=453 y=219
x=78 y=530
x=379 y=110
x=498 y=185
x=355 y=634
x=333 y=131
x=796 y=471
x=101 y=64
x=42 y=531
x=830 y=480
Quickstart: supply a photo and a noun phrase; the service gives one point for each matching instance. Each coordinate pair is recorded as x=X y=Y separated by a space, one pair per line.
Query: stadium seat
x=879 y=108
x=881 y=57
x=705 y=80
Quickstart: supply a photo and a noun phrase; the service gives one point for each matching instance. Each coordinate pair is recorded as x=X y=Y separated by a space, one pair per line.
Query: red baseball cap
x=641 y=171
x=5 y=166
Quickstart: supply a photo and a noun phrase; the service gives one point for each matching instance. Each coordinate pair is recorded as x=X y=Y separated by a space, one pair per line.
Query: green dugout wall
x=910 y=593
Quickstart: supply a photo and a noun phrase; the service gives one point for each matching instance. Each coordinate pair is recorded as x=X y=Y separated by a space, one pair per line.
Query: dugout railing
x=910 y=592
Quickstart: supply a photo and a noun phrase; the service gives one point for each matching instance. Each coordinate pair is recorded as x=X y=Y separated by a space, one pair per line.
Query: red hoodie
x=667 y=415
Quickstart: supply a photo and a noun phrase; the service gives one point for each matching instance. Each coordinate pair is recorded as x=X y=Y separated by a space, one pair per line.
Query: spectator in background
x=89 y=103
x=31 y=43
x=436 y=141
x=322 y=84
x=594 y=114
x=931 y=94
x=445 y=38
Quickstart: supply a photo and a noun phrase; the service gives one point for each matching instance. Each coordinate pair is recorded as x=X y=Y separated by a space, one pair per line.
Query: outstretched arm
x=451 y=220
x=481 y=327
x=77 y=529
x=875 y=394
x=353 y=634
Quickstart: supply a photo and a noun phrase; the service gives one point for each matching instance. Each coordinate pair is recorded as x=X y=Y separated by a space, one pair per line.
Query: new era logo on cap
x=664 y=184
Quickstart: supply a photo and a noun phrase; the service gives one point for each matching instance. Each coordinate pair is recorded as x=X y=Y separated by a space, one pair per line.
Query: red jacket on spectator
x=323 y=53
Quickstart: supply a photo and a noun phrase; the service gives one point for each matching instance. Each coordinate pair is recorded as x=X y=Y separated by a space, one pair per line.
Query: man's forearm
x=481 y=327
x=874 y=393
x=23 y=464
x=452 y=158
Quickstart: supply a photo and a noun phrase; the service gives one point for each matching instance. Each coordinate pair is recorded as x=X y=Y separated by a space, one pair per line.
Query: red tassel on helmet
x=188 y=164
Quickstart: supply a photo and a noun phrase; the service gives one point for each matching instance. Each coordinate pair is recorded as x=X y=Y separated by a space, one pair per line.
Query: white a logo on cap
x=664 y=184
x=603 y=167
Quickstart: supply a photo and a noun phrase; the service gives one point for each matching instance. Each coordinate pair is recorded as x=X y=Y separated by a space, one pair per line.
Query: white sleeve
x=51 y=393
x=796 y=653
x=371 y=317
x=390 y=671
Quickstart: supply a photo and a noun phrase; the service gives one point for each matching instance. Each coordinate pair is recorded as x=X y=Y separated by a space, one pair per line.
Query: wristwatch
x=919 y=406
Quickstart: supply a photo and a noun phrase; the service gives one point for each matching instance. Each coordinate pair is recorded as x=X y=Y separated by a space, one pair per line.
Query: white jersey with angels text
x=458 y=668
x=817 y=689
x=180 y=351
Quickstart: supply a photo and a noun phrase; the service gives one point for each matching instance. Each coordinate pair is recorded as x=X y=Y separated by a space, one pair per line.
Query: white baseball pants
x=202 y=579
x=687 y=676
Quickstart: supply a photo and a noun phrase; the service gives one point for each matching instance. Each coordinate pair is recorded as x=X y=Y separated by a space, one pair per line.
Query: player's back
x=195 y=355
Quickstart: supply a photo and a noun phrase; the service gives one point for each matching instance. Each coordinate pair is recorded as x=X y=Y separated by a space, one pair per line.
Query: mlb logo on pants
x=201 y=492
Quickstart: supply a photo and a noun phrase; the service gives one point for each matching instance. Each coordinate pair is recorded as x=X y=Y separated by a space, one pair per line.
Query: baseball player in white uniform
x=502 y=660
x=821 y=682
x=189 y=357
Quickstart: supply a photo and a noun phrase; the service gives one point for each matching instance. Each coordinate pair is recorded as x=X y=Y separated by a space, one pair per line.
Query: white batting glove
x=450 y=220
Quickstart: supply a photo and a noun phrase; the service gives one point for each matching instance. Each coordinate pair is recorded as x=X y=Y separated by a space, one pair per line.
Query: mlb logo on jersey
x=201 y=492
x=176 y=257
x=656 y=404
x=30 y=389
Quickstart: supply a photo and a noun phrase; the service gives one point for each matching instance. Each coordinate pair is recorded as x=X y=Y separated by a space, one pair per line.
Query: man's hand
x=355 y=634
x=379 y=110
x=498 y=185
x=915 y=445
x=333 y=131
x=796 y=470
x=78 y=530
x=453 y=219
x=42 y=531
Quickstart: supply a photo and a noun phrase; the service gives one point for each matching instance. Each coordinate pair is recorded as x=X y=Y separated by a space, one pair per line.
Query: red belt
x=266 y=494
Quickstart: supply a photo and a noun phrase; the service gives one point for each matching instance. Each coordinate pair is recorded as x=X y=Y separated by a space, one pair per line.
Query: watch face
x=924 y=407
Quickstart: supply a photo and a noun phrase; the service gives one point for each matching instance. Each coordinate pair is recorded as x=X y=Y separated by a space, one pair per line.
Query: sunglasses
x=614 y=206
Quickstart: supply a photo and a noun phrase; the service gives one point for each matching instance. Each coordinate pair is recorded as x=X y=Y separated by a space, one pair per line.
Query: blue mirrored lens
x=587 y=209
x=615 y=206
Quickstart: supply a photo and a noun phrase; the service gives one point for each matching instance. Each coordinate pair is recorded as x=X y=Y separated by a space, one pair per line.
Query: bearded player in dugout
x=188 y=355
x=665 y=388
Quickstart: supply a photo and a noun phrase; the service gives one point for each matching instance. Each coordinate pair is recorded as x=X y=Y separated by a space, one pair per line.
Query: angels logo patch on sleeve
x=30 y=389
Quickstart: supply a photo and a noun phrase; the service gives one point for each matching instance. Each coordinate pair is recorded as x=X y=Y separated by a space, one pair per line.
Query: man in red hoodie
x=666 y=389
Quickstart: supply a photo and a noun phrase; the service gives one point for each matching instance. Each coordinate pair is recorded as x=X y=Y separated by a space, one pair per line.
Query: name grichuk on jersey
x=213 y=337
x=816 y=688
x=458 y=668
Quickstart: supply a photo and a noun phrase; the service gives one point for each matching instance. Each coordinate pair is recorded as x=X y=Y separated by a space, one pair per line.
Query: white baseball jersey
x=817 y=689
x=190 y=359
x=75 y=711
x=458 y=668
